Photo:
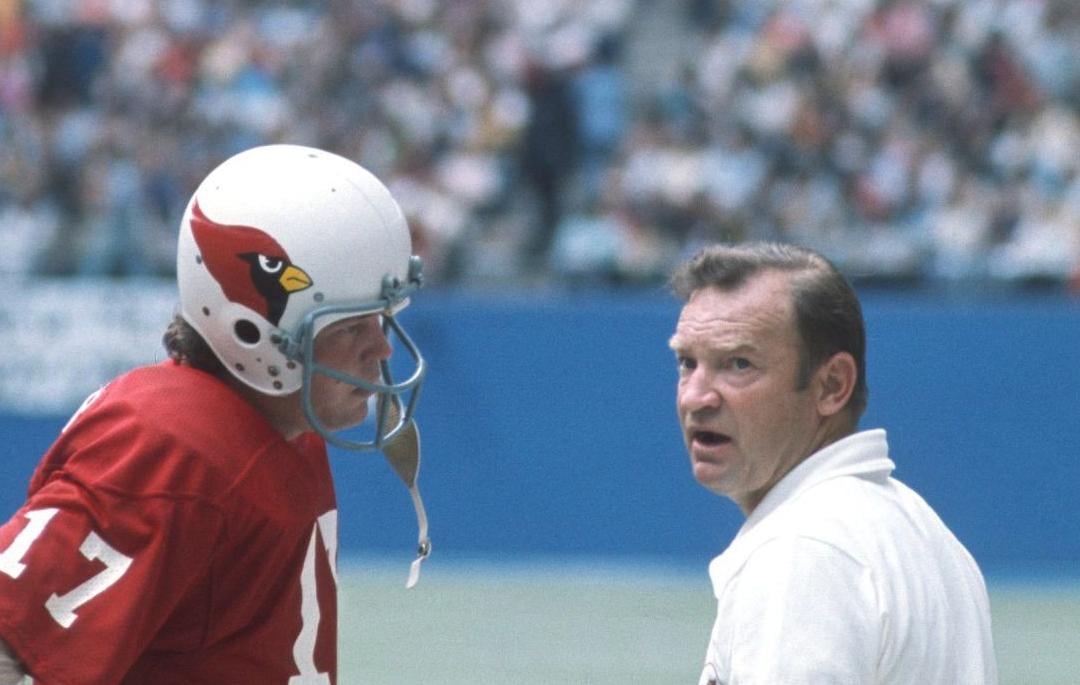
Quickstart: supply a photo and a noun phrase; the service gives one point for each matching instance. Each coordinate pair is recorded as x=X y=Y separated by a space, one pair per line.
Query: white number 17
x=62 y=607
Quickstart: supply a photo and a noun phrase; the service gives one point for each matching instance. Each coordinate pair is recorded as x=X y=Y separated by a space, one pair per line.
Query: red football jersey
x=171 y=535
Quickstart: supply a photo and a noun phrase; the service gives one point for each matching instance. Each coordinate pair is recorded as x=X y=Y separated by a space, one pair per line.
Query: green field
x=494 y=624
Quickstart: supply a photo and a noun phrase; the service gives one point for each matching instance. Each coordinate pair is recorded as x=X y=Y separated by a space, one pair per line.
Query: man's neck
x=284 y=413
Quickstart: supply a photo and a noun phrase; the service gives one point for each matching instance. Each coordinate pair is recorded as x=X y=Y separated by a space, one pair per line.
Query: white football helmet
x=278 y=242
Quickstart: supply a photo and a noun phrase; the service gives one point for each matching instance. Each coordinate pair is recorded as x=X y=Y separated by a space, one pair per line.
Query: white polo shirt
x=843 y=574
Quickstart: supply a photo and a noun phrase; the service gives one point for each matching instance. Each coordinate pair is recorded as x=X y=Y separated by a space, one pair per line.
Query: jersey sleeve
x=800 y=611
x=88 y=577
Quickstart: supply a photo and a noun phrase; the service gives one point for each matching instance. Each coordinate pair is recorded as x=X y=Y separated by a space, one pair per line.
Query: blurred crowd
x=913 y=141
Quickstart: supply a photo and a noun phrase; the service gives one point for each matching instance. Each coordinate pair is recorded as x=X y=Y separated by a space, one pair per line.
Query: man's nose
x=377 y=344
x=697 y=392
x=383 y=349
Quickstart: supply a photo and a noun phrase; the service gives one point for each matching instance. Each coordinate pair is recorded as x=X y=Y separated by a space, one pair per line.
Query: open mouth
x=710 y=438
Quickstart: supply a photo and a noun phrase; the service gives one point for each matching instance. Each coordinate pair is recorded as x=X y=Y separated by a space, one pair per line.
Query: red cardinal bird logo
x=252 y=269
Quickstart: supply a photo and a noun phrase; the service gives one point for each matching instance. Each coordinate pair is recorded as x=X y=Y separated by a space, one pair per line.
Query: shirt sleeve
x=87 y=578
x=801 y=611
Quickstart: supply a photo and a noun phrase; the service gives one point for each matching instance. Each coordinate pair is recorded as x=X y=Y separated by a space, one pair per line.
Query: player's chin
x=345 y=417
x=355 y=418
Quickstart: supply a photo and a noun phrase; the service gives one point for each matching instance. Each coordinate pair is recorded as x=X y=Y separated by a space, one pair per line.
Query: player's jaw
x=340 y=405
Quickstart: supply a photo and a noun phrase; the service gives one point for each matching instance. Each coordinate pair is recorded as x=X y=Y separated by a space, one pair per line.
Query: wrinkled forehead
x=760 y=308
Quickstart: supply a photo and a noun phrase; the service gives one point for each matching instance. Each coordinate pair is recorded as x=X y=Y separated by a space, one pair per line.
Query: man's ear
x=834 y=382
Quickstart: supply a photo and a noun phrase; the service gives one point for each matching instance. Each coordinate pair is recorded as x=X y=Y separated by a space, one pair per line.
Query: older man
x=841 y=573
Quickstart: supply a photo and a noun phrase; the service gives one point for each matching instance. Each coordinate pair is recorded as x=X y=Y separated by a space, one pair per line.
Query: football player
x=183 y=526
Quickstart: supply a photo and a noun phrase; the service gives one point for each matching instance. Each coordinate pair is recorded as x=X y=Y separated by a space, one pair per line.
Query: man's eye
x=686 y=363
x=739 y=364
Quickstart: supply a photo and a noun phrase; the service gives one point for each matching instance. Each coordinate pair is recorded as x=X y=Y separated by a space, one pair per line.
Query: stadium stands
x=914 y=141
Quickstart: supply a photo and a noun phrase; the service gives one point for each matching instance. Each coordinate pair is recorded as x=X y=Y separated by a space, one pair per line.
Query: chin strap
x=403 y=454
x=423 y=546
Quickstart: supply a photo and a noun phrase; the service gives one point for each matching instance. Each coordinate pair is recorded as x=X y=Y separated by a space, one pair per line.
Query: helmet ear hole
x=247 y=332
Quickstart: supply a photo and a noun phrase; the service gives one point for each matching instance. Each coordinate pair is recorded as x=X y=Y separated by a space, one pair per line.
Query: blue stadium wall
x=549 y=432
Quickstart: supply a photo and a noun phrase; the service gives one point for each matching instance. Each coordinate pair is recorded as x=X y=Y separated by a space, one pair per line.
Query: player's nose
x=378 y=347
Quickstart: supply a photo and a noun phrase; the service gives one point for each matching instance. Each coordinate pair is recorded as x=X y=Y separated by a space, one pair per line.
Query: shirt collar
x=864 y=454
